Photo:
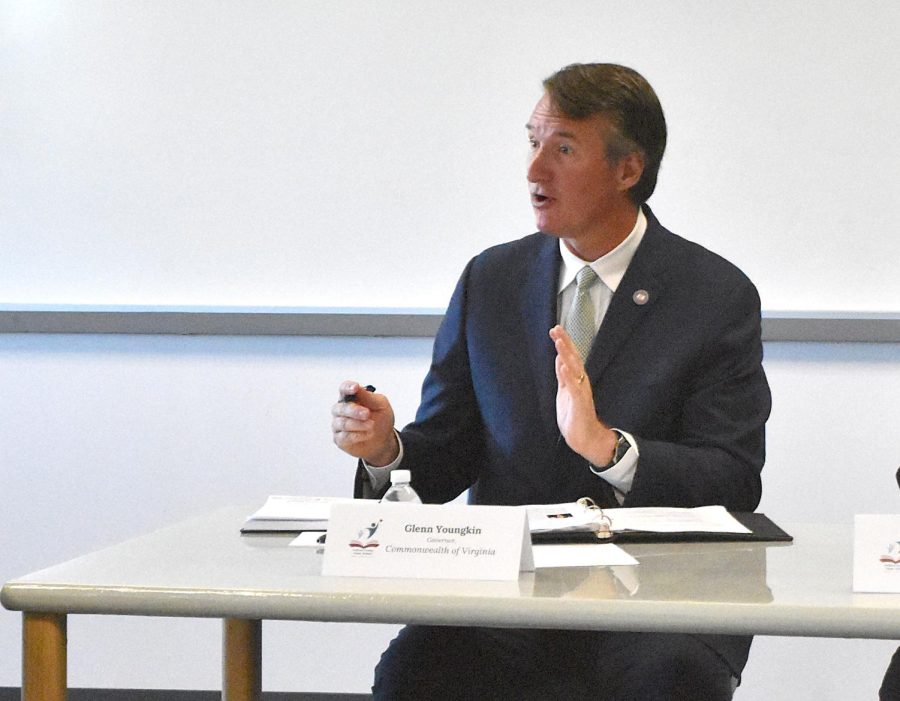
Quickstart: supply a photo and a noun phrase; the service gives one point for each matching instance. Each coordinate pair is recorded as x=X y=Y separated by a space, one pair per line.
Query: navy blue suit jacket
x=682 y=373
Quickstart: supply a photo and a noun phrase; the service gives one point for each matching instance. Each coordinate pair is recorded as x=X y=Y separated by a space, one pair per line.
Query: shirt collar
x=609 y=268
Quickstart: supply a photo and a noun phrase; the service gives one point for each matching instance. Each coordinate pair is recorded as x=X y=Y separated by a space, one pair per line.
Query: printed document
x=657 y=519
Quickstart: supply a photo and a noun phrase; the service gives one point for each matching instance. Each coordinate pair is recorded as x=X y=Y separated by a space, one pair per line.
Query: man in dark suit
x=603 y=356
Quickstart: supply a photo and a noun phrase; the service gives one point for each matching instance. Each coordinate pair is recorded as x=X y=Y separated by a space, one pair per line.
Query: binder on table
x=591 y=524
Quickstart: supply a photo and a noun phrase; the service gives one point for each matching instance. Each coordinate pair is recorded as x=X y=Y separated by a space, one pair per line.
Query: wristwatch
x=622 y=446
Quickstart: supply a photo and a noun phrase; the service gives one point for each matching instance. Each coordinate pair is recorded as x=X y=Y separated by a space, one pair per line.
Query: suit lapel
x=640 y=288
x=539 y=315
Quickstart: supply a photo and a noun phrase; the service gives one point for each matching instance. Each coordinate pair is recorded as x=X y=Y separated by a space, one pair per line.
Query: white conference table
x=205 y=568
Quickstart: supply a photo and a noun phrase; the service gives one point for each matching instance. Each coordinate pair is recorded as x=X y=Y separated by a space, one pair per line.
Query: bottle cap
x=399 y=476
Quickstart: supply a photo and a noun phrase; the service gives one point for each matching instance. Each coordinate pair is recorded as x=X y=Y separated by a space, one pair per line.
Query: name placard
x=427 y=541
x=876 y=553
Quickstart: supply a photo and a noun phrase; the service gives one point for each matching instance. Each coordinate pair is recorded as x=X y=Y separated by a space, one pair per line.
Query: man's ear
x=630 y=168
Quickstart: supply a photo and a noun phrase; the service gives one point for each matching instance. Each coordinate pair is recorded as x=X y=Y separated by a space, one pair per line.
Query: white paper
x=308 y=538
x=658 y=519
x=663 y=519
x=581 y=555
x=560 y=517
x=289 y=508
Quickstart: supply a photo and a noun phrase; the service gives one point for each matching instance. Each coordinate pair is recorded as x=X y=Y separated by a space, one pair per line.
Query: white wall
x=243 y=153
x=106 y=437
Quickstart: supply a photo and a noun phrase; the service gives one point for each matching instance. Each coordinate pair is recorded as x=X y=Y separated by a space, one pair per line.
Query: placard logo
x=890 y=558
x=365 y=538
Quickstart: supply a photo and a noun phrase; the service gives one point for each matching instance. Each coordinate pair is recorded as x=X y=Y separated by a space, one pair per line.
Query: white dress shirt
x=610 y=269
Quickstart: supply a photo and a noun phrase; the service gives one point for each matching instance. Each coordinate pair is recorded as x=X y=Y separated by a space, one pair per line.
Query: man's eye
x=565 y=148
x=532 y=143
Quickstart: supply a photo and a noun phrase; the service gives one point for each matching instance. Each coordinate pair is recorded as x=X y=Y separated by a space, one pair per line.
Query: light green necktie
x=580 y=323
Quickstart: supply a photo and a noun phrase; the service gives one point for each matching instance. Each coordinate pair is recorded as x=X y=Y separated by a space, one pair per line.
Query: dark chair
x=890 y=685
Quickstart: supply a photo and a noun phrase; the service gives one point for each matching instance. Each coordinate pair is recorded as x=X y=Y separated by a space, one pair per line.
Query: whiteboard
x=357 y=154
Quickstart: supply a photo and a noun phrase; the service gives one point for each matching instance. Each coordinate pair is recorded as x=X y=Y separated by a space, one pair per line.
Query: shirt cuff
x=621 y=475
x=380 y=476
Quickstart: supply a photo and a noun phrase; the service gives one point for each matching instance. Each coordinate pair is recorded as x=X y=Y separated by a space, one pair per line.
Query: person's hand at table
x=364 y=426
x=576 y=414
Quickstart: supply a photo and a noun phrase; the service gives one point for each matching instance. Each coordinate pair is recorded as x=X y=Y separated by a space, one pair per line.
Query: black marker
x=352 y=397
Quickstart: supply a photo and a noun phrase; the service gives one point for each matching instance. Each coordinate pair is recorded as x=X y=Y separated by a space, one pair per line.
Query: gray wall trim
x=863 y=327
x=223 y=321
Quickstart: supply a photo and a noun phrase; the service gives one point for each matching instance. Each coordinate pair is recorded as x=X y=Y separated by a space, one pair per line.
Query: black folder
x=762 y=529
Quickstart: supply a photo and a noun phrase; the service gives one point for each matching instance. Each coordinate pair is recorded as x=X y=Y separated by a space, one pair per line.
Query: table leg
x=241 y=660
x=43 y=657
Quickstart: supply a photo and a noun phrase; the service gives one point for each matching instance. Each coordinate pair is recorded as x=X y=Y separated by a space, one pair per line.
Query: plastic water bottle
x=400 y=489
